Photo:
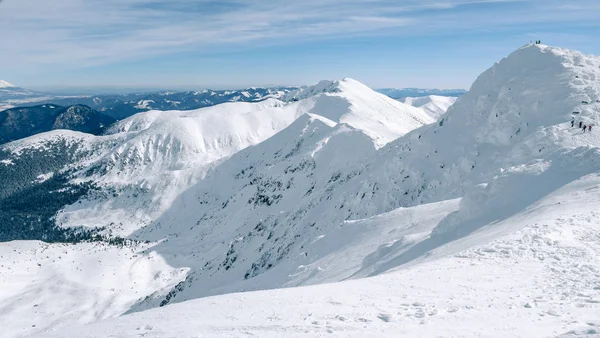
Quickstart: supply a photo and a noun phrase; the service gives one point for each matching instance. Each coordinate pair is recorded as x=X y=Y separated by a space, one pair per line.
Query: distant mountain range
x=11 y=95
x=17 y=123
x=120 y=106
x=396 y=93
x=92 y=113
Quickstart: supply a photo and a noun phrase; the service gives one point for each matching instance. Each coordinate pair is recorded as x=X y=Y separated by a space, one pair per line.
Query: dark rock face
x=17 y=123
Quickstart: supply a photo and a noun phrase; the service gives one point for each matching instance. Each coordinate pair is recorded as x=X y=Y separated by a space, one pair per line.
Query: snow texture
x=435 y=106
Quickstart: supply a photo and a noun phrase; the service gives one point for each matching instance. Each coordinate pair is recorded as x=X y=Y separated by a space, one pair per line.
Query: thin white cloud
x=38 y=34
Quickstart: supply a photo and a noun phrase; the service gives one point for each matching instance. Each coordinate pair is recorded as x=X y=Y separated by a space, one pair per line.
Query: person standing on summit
x=580 y=124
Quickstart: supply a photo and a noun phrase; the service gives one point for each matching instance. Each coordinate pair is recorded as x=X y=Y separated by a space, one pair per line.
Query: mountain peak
x=5 y=84
x=327 y=87
x=348 y=101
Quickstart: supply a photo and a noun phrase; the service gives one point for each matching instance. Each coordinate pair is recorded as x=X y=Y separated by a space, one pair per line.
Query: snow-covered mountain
x=435 y=106
x=121 y=184
x=488 y=213
x=161 y=153
x=399 y=93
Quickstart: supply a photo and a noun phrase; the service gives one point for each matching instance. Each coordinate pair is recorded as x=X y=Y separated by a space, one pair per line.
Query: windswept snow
x=533 y=275
x=435 y=106
x=351 y=102
x=48 y=286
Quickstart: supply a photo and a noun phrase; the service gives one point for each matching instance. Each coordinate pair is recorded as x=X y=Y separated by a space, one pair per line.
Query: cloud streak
x=39 y=34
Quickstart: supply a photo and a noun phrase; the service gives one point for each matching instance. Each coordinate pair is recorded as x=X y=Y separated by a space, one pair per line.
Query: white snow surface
x=434 y=105
x=482 y=224
x=51 y=285
x=534 y=274
x=377 y=115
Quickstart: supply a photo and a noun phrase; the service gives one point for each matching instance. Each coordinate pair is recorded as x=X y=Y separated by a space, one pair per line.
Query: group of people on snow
x=538 y=42
x=581 y=125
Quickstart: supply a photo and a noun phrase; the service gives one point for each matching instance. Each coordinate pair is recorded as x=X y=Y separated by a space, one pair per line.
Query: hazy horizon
x=241 y=43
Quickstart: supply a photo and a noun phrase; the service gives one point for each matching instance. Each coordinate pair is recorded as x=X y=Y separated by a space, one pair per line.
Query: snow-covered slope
x=161 y=154
x=503 y=146
x=435 y=106
x=351 y=102
x=159 y=147
x=251 y=223
x=538 y=281
x=52 y=285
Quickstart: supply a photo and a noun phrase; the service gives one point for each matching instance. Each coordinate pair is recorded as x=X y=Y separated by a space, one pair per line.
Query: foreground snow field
x=536 y=274
x=484 y=223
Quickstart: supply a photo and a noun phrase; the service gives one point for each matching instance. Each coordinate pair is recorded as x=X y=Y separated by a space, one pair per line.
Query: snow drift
x=435 y=106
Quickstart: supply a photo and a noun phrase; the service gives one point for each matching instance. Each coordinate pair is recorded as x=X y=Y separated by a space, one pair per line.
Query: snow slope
x=532 y=275
x=502 y=147
x=167 y=151
x=435 y=106
x=51 y=285
x=351 y=102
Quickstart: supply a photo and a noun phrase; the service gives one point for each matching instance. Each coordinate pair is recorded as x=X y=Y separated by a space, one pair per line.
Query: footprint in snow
x=385 y=317
x=420 y=314
x=341 y=318
x=452 y=309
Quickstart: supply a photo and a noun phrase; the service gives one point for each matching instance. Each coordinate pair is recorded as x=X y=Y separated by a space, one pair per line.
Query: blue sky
x=237 y=43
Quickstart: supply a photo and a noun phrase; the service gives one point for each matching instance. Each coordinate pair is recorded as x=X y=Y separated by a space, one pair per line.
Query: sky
x=174 y=44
